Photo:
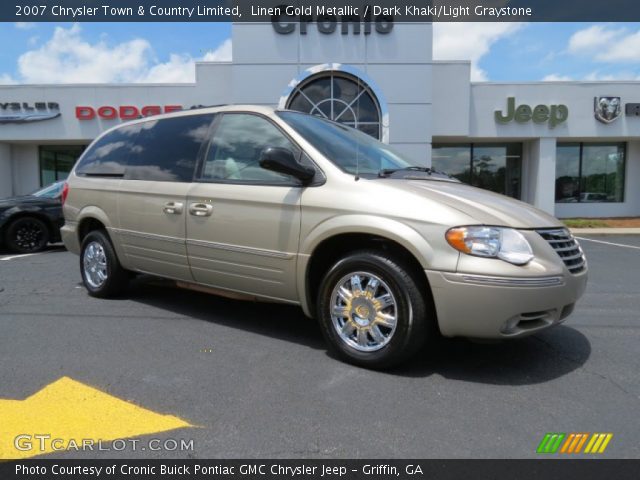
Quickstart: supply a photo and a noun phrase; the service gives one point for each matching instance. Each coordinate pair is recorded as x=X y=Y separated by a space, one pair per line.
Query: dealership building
x=570 y=148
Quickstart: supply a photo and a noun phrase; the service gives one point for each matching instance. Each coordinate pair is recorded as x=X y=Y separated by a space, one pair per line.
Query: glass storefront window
x=57 y=161
x=495 y=167
x=498 y=168
x=590 y=173
x=453 y=159
x=567 y=172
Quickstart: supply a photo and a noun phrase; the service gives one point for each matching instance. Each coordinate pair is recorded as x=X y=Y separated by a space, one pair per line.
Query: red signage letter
x=108 y=113
x=151 y=110
x=85 y=113
x=172 y=108
x=129 y=112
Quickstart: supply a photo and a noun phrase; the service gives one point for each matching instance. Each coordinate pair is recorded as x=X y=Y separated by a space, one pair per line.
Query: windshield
x=348 y=148
x=50 y=191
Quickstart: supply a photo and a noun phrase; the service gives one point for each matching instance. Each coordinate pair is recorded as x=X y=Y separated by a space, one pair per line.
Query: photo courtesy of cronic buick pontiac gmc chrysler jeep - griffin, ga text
x=283 y=206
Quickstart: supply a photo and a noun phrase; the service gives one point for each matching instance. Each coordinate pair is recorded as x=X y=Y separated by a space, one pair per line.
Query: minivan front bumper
x=479 y=306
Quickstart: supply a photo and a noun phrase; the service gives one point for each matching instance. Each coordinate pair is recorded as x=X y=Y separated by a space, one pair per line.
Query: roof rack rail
x=193 y=107
x=196 y=107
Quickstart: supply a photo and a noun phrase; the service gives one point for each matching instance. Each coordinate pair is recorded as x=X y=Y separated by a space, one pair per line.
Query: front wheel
x=102 y=274
x=373 y=311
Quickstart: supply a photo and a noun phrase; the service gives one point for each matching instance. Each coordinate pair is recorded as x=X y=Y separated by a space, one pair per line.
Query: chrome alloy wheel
x=94 y=262
x=364 y=311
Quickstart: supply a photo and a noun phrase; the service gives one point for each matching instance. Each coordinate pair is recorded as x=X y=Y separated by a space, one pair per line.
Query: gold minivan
x=282 y=206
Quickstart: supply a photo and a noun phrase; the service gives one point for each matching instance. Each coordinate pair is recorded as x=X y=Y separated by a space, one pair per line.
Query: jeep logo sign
x=552 y=114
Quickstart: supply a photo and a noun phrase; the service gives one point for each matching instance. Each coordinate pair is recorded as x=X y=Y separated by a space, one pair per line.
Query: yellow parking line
x=70 y=411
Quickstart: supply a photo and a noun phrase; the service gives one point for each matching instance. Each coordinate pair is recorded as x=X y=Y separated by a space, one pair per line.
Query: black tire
x=117 y=278
x=413 y=310
x=27 y=235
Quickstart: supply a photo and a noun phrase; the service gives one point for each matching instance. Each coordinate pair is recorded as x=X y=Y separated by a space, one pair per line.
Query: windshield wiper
x=385 y=172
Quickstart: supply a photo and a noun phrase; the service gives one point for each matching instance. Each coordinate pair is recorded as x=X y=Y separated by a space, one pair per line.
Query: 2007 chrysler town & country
x=289 y=207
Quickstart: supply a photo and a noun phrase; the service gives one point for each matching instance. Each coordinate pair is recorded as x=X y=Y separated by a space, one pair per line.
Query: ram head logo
x=607 y=109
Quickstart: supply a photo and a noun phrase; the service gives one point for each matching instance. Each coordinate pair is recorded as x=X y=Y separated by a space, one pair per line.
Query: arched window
x=341 y=97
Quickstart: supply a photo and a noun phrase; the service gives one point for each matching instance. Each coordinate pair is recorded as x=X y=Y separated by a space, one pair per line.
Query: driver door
x=243 y=222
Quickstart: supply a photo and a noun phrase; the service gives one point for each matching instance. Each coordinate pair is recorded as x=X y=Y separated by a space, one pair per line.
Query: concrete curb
x=605 y=231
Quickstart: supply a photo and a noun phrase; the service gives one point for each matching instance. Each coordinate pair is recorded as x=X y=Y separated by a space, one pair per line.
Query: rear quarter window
x=167 y=149
x=108 y=155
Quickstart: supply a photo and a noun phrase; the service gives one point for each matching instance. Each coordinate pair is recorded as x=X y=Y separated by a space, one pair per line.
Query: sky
x=166 y=52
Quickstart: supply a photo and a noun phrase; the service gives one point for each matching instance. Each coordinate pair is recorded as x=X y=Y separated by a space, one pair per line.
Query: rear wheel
x=27 y=235
x=373 y=310
x=102 y=274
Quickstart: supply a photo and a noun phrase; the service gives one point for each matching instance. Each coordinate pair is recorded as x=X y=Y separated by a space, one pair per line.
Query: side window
x=167 y=149
x=108 y=155
x=235 y=150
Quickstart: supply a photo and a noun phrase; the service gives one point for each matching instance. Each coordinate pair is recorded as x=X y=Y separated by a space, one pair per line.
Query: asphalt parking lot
x=255 y=380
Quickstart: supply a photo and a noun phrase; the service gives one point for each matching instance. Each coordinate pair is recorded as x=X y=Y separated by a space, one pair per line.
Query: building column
x=541 y=174
x=26 y=168
x=6 y=173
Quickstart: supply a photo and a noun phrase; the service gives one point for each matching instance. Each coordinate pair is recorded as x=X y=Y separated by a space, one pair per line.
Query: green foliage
x=584 y=223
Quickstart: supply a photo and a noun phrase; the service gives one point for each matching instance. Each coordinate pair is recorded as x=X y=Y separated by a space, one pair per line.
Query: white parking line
x=24 y=255
x=609 y=243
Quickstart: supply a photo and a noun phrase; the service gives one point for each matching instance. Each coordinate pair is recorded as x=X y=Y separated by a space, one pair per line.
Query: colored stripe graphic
x=543 y=443
x=550 y=443
x=605 y=444
x=573 y=442
x=598 y=443
x=582 y=442
x=568 y=443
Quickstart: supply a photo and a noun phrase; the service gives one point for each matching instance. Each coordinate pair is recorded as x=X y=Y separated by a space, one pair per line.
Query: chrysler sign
x=26 y=112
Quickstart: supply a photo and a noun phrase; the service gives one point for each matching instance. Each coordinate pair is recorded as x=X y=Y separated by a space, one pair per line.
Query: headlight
x=492 y=242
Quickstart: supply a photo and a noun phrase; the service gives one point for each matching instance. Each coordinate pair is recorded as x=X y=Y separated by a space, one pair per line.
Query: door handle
x=201 y=209
x=173 y=207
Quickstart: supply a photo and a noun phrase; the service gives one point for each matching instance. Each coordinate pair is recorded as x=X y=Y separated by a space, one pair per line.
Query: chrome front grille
x=566 y=247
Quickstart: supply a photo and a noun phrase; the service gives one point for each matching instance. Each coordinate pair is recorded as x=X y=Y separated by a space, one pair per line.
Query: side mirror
x=281 y=160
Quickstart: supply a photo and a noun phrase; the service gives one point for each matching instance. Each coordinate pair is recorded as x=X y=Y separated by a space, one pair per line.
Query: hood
x=484 y=207
x=22 y=200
